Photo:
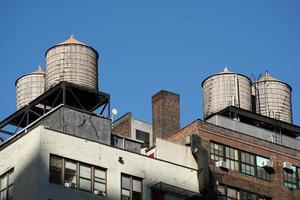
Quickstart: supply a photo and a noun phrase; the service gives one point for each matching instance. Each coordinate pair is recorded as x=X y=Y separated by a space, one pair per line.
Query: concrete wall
x=255 y=131
x=23 y=156
x=166 y=150
x=80 y=124
x=151 y=170
x=30 y=156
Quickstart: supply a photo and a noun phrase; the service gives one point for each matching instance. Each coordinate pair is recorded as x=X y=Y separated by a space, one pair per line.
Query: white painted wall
x=23 y=156
x=175 y=153
x=39 y=143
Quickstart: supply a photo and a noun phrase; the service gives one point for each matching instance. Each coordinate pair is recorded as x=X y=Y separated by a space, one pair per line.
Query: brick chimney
x=165 y=114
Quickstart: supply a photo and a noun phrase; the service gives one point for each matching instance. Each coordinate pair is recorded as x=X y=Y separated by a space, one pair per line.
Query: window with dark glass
x=77 y=175
x=56 y=166
x=225 y=192
x=248 y=163
x=248 y=195
x=290 y=178
x=144 y=136
x=216 y=151
x=6 y=185
x=262 y=172
x=131 y=188
x=232 y=157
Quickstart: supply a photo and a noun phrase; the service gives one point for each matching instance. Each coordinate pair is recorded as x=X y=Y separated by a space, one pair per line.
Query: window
x=261 y=171
x=77 y=175
x=248 y=196
x=298 y=170
x=6 y=185
x=240 y=161
x=144 y=136
x=131 y=188
x=70 y=174
x=289 y=178
x=225 y=192
x=216 y=151
x=232 y=157
x=100 y=181
x=56 y=166
x=85 y=177
x=232 y=193
x=247 y=163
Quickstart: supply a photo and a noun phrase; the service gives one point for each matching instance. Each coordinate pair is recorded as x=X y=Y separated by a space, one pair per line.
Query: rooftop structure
x=29 y=86
x=226 y=89
x=273 y=98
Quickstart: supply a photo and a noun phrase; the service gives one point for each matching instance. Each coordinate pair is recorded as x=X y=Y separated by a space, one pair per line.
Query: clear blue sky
x=146 y=46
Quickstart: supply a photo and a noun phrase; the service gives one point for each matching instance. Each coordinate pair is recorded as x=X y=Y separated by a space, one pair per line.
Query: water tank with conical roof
x=29 y=87
x=74 y=62
x=226 y=89
x=273 y=98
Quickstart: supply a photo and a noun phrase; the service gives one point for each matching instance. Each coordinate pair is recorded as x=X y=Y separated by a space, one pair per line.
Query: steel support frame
x=62 y=93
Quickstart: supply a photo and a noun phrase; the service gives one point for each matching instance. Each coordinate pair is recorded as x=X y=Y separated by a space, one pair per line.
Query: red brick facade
x=122 y=126
x=165 y=113
x=277 y=154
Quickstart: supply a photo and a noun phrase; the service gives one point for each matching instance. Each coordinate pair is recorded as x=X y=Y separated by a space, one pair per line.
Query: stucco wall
x=23 y=156
x=30 y=154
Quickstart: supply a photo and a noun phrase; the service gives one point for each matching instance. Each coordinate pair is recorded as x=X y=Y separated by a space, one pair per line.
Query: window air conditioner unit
x=99 y=193
x=267 y=164
x=222 y=164
x=287 y=166
x=70 y=185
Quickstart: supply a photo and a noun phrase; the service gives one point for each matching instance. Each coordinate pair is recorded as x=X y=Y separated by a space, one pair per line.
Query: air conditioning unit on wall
x=267 y=164
x=287 y=166
x=222 y=164
x=70 y=185
x=99 y=193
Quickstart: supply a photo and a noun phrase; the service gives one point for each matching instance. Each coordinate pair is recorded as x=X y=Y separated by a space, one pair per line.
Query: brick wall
x=278 y=154
x=165 y=113
x=122 y=126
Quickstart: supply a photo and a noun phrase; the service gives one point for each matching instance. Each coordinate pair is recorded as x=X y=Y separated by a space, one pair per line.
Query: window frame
x=131 y=178
x=7 y=174
x=140 y=132
x=248 y=163
x=229 y=159
x=217 y=153
x=223 y=157
x=78 y=164
x=239 y=193
x=266 y=172
x=289 y=174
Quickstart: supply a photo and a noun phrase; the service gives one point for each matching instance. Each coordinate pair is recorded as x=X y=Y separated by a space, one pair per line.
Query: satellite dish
x=114 y=111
